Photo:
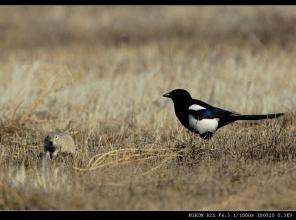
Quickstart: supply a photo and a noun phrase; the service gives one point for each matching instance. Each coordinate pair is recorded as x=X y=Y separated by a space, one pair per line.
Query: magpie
x=204 y=119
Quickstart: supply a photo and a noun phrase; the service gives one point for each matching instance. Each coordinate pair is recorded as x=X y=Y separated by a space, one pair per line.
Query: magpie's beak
x=168 y=95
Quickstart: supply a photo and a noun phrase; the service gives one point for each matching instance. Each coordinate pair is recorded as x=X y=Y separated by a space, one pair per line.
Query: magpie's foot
x=206 y=136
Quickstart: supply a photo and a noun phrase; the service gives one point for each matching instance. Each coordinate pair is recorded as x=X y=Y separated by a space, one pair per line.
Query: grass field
x=99 y=72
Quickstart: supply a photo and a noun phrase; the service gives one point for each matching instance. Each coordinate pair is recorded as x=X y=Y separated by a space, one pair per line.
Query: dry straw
x=120 y=157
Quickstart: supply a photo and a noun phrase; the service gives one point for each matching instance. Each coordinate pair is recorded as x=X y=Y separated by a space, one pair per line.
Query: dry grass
x=100 y=72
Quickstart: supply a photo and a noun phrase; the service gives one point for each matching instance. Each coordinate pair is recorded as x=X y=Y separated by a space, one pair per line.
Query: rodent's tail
x=257 y=117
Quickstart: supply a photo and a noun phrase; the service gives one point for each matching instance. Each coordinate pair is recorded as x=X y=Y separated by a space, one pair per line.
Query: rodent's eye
x=56 y=137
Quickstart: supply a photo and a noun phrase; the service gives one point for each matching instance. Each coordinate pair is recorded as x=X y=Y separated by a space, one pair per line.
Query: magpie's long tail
x=257 y=117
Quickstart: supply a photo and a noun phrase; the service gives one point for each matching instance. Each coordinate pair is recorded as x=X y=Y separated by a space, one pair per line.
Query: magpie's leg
x=207 y=135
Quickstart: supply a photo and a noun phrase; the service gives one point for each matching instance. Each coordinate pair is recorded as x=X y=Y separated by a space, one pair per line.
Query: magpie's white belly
x=204 y=125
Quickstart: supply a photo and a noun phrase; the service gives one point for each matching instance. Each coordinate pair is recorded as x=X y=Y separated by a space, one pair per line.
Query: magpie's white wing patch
x=196 y=107
x=204 y=125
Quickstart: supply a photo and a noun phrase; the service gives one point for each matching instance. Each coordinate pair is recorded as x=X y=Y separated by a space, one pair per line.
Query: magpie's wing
x=201 y=110
x=210 y=113
x=198 y=104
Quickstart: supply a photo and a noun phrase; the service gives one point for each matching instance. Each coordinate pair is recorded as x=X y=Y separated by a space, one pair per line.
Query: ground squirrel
x=59 y=142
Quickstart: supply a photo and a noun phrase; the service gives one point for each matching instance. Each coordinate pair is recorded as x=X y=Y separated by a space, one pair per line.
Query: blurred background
x=121 y=57
x=55 y=26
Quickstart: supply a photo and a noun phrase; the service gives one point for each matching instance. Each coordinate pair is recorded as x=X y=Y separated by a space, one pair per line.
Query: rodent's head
x=53 y=141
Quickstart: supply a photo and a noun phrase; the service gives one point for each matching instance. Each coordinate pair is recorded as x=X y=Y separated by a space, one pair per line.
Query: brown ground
x=100 y=73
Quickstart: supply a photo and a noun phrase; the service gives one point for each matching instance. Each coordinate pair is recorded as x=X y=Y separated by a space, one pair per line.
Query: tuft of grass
x=130 y=155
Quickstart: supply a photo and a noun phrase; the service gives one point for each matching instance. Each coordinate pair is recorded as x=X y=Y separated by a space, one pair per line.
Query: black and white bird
x=204 y=119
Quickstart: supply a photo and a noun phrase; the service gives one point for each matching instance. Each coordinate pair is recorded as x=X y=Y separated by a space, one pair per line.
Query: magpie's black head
x=178 y=95
x=182 y=100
